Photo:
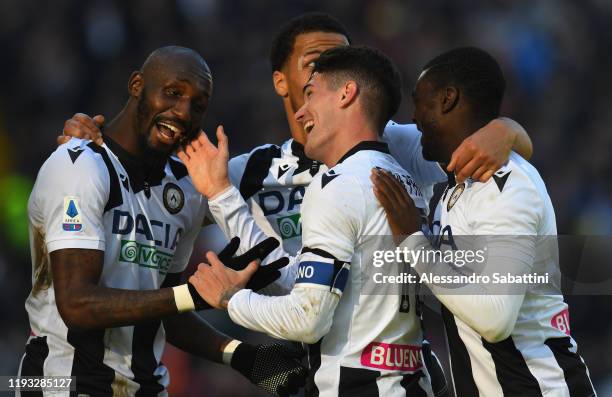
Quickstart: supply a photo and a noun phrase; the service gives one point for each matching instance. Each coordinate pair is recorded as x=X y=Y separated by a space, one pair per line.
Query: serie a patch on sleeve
x=72 y=215
x=315 y=271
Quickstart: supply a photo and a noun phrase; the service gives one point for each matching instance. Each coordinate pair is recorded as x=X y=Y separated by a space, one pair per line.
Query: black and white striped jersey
x=100 y=198
x=362 y=341
x=272 y=179
x=504 y=339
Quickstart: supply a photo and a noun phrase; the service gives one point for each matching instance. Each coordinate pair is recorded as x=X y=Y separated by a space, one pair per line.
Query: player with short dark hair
x=379 y=77
x=284 y=41
x=112 y=228
x=505 y=337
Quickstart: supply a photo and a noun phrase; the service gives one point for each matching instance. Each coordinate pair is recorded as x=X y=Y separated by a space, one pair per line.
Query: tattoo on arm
x=84 y=304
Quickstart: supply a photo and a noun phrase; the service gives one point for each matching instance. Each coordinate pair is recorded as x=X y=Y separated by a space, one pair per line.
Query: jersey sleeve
x=233 y=216
x=505 y=221
x=236 y=167
x=332 y=215
x=70 y=196
x=405 y=146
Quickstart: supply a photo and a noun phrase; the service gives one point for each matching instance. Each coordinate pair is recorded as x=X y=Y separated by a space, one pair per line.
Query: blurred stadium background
x=66 y=56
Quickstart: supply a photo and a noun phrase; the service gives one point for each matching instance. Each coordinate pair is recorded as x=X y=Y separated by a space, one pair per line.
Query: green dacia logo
x=145 y=256
x=289 y=226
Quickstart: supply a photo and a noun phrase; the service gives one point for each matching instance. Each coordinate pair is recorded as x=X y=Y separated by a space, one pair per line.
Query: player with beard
x=112 y=227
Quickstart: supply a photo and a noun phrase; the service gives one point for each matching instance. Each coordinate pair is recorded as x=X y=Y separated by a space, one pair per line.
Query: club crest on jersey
x=289 y=226
x=174 y=198
x=455 y=196
x=72 y=215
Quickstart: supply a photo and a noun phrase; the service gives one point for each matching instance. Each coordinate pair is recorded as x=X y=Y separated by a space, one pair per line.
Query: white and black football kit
x=101 y=198
x=362 y=344
x=505 y=340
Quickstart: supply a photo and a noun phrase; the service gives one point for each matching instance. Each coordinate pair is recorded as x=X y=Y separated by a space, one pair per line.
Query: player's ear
x=348 y=93
x=450 y=98
x=280 y=83
x=135 y=84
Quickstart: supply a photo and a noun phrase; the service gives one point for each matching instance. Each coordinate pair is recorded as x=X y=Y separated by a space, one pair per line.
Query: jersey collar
x=304 y=162
x=366 y=145
x=144 y=172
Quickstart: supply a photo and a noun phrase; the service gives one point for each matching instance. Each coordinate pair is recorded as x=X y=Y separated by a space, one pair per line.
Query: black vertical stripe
x=436 y=373
x=93 y=377
x=511 y=368
x=115 y=197
x=410 y=383
x=36 y=352
x=574 y=370
x=257 y=169
x=178 y=169
x=144 y=362
x=358 y=382
x=461 y=365
x=314 y=363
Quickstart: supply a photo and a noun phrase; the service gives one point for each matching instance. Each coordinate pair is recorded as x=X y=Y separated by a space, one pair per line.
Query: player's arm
x=330 y=228
x=507 y=227
x=83 y=304
x=190 y=332
x=485 y=151
x=273 y=368
x=208 y=167
x=477 y=157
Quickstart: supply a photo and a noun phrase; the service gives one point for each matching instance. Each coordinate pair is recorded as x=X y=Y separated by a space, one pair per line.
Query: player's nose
x=182 y=109
x=299 y=115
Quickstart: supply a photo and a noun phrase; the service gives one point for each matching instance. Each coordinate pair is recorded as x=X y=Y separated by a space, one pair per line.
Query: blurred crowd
x=69 y=56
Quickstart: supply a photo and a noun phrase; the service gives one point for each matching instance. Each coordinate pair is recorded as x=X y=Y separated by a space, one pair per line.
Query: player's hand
x=403 y=216
x=273 y=368
x=216 y=283
x=84 y=127
x=265 y=275
x=482 y=153
x=207 y=163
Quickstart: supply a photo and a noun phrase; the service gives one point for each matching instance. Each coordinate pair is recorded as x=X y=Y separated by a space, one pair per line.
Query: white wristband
x=182 y=298
x=229 y=350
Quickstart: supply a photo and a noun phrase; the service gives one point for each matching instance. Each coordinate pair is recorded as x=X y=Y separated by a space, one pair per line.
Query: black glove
x=274 y=368
x=265 y=275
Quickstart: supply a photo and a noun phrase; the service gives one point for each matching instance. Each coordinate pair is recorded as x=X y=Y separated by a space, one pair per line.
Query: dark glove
x=265 y=275
x=274 y=368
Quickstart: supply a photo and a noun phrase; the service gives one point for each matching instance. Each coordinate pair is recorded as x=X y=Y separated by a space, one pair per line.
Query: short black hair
x=476 y=73
x=378 y=79
x=282 y=45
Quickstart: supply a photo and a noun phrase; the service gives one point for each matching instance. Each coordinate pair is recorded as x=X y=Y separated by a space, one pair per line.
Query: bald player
x=112 y=228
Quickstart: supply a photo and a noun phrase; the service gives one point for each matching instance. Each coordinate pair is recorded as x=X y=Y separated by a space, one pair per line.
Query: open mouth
x=308 y=126
x=169 y=131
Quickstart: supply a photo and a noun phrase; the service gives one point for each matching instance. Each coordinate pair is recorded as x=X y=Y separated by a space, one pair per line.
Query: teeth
x=308 y=125
x=170 y=127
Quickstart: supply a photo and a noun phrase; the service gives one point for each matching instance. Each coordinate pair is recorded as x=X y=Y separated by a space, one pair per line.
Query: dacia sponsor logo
x=273 y=202
x=289 y=226
x=145 y=256
x=162 y=234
